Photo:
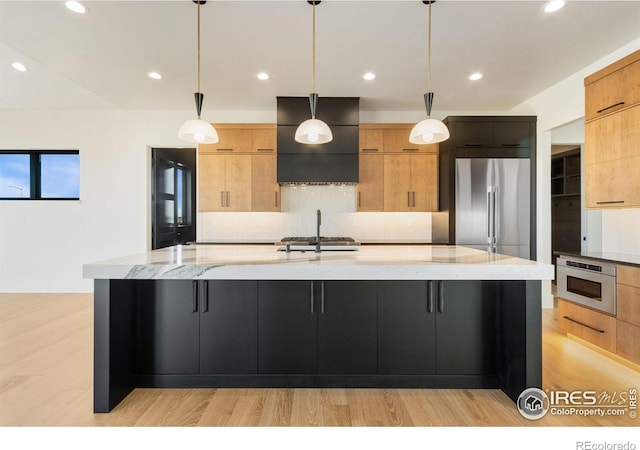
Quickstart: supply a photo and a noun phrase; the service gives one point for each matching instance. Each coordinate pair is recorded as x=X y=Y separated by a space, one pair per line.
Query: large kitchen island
x=384 y=316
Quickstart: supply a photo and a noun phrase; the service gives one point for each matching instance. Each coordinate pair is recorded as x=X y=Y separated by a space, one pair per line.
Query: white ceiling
x=101 y=59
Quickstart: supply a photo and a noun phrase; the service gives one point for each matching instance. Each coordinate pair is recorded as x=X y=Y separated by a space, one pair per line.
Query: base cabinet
x=189 y=327
x=309 y=327
x=437 y=327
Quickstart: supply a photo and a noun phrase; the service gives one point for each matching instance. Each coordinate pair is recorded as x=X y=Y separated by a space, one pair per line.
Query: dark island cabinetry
x=309 y=327
x=333 y=333
x=437 y=327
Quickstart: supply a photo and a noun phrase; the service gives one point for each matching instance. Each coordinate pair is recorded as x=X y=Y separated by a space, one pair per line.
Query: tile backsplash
x=298 y=218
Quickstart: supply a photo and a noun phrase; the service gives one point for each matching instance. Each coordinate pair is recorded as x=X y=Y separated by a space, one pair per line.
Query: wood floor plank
x=46 y=364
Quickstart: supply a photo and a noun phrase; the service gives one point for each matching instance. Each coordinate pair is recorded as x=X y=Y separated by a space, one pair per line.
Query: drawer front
x=629 y=304
x=628 y=275
x=587 y=324
x=613 y=184
x=628 y=342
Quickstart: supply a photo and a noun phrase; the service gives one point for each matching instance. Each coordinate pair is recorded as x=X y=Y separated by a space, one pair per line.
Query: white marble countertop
x=371 y=262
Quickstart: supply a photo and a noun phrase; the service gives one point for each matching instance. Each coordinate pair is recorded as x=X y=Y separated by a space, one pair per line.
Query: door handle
x=583 y=324
x=205 y=295
x=228 y=199
x=430 y=297
x=194 y=306
x=609 y=107
x=414 y=199
x=311 y=297
x=222 y=199
x=359 y=199
x=408 y=199
x=488 y=217
x=276 y=196
x=441 y=296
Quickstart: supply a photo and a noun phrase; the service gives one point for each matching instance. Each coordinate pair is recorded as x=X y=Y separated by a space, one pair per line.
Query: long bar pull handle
x=430 y=297
x=369 y=150
x=205 y=297
x=264 y=149
x=414 y=199
x=495 y=220
x=228 y=199
x=489 y=217
x=609 y=203
x=222 y=199
x=609 y=107
x=409 y=199
x=194 y=306
x=359 y=199
x=322 y=297
x=276 y=192
x=583 y=324
x=440 y=296
x=311 y=297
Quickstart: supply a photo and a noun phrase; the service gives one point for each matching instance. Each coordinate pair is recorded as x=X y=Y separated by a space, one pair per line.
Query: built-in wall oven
x=588 y=282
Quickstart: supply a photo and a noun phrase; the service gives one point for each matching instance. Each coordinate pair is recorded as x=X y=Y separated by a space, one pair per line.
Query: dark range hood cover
x=335 y=162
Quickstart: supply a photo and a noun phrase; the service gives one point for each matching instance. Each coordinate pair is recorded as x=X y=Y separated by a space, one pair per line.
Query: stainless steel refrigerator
x=493 y=205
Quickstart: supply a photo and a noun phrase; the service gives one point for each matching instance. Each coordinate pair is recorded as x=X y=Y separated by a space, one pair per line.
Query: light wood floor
x=46 y=380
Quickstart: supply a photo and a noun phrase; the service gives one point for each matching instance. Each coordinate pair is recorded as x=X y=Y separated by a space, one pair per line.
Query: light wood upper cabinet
x=396 y=140
x=224 y=182
x=615 y=87
x=370 y=192
x=370 y=140
x=411 y=183
x=264 y=140
x=612 y=135
x=243 y=138
x=265 y=191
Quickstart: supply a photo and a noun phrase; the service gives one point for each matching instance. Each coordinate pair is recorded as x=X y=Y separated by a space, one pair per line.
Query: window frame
x=35 y=173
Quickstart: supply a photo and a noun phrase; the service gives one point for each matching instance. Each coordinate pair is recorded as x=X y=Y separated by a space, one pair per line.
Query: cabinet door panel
x=347 y=327
x=287 y=328
x=167 y=328
x=613 y=92
x=370 y=184
x=232 y=140
x=211 y=186
x=263 y=140
x=512 y=134
x=407 y=332
x=424 y=183
x=613 y=183
x=466 y=328
x=397 y=182
x=613 y=137
x=370 y=140
x=473 y=134
x=265 y=190
x=229 y=327
x=238 y=182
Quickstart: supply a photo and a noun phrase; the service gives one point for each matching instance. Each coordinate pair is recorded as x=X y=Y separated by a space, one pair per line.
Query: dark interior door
x=173 y=199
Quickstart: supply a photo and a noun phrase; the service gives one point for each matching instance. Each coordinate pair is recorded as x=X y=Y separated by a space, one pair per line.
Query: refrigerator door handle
x=494 y=234
x=489 y=217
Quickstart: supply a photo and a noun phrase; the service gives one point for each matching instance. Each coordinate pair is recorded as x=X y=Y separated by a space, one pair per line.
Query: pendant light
x=197 y=131
x=429 y=131
x=313 y=131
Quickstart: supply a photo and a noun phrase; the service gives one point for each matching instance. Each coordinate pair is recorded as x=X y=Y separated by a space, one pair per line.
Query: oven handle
x=583 y=324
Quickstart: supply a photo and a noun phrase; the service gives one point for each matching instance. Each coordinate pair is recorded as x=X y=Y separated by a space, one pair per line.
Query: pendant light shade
x=313 y=131
x=429 y=131
x=197 y=131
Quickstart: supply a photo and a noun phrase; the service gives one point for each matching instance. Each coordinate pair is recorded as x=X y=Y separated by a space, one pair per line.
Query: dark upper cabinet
x=407 y=329
x=228 y=327
x=167 y=327
x=331 y=110
x=345 y=141
x=490 y=131
x=347 y=327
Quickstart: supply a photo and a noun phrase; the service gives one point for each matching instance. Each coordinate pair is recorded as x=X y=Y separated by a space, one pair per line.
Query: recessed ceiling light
x=263 y=76
x=76 y=7
x=155 y=75
x=475 y=76
x=554 y=5
x=369 y=76
x=19 y=66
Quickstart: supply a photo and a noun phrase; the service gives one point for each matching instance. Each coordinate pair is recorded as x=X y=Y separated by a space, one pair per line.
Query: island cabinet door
x=228 y=327
x=347 y=327
x=466 y=327
x=167 y=327
x=407 y=332
x=287 y=327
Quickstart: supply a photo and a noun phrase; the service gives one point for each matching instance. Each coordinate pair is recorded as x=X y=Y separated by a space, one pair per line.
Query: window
x=39 y=174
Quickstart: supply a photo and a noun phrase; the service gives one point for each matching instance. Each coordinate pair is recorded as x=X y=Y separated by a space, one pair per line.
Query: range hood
x=335 y=162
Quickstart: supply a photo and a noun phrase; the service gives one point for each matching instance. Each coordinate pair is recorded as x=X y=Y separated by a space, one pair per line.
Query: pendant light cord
x=313 y=59
x=198 y=49
x=429 y=52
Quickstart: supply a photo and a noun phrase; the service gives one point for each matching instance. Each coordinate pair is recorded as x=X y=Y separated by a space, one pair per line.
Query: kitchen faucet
x=318 y=222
